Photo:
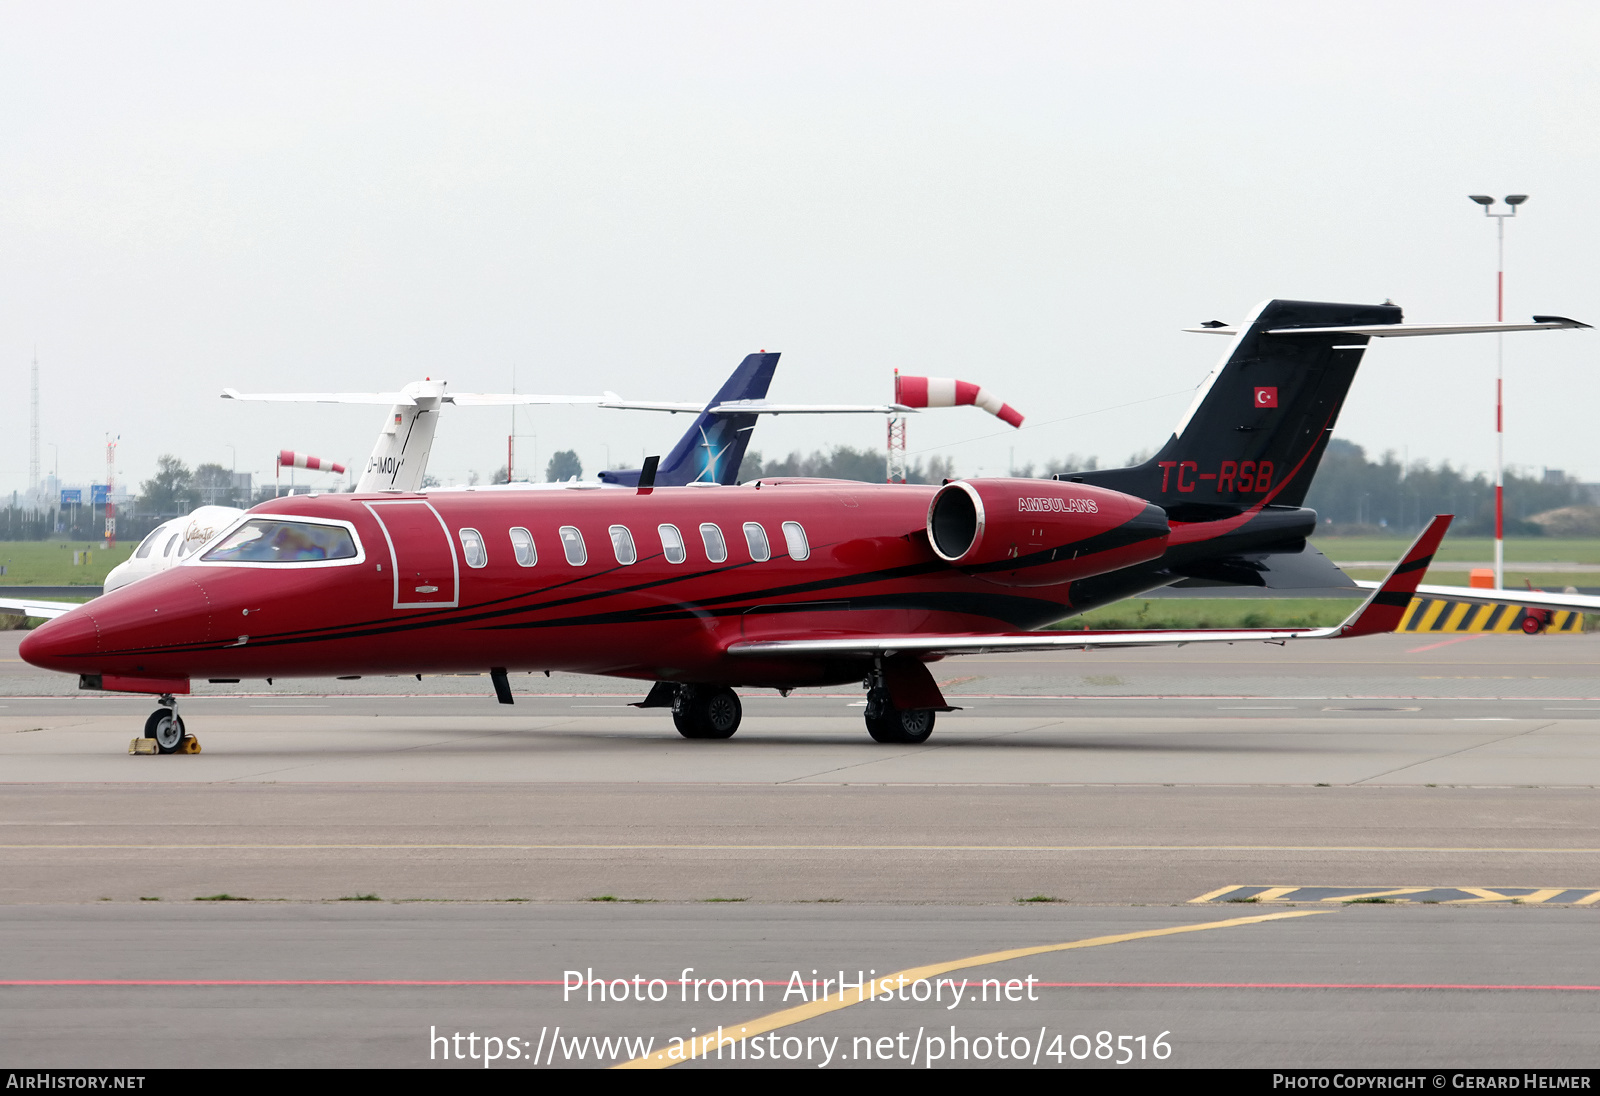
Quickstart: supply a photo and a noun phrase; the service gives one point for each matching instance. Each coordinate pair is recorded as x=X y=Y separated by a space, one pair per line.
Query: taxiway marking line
x=696 y=1044
x=1212 y=896
x=414 y=983
x=267 y=982
x=1446 y=643
x=1393 y=892
x=1536 y=896
x=815 y=848
x=1302 y=985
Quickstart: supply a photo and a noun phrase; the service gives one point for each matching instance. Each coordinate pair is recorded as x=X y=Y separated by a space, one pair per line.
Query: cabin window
x=716 y=547
x=149 y=543
x=264 y=540
x=672 y=543
x=622 y=545
x=472 y=549
x=172 y=542
x=522 y=547
x=572 y=545
x=795 y=537
x=755 y=538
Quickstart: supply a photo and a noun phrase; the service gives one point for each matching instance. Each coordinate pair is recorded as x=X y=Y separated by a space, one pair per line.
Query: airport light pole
x=1512 y=202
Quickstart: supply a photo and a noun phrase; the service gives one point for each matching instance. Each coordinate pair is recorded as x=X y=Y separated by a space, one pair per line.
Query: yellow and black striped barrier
x=1429 y=614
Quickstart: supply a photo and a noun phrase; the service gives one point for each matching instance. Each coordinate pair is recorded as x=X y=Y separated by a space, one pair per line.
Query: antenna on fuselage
x=647 y=475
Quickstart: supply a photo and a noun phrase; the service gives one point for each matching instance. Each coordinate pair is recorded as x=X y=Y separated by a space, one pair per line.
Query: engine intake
x=1023 y=532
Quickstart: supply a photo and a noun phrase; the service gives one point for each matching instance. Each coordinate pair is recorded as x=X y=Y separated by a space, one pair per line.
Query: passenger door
x=421 y=554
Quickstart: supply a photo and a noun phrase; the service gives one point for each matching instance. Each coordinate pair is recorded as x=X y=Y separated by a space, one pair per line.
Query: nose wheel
x=166 y=727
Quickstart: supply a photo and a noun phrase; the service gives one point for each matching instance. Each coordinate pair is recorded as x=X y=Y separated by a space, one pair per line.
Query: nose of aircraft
x=63 y=643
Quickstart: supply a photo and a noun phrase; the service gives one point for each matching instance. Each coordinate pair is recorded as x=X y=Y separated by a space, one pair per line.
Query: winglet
x=1384 y=608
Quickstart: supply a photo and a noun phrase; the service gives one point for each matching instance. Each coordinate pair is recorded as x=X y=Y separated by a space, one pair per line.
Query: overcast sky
x=632 y=196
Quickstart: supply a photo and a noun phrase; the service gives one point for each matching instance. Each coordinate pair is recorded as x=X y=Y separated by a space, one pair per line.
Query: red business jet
x=774 y=584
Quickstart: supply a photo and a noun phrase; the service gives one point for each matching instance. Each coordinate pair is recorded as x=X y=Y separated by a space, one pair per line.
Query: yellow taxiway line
x=399 y=846
x=683 y=1049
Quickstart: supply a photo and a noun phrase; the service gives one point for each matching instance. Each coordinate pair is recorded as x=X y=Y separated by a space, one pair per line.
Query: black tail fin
x=1260 y=422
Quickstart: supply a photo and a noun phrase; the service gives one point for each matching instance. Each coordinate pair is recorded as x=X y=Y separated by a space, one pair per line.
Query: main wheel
x=166 y=728
x=706 y=712
x=902 y=726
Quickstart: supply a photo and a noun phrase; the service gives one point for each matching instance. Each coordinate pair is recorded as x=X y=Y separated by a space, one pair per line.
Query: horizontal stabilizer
x=608 y=400
x=763 y=407
x=1401 y=330
x=518 y=399
x=752 y=407
x=404 y=399
x=386 y=399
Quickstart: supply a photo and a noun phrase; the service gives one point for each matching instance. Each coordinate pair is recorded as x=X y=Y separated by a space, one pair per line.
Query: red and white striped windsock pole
x=288 y=458
x=948 y=392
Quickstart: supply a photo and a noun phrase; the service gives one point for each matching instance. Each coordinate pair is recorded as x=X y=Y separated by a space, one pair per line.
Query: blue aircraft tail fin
x=713 y=448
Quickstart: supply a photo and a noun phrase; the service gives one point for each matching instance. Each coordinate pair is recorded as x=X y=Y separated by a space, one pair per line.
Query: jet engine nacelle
x=1026 y=532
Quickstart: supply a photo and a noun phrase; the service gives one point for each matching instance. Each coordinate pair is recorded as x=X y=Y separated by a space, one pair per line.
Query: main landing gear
x=706 y=711
x=166 y=728
x=886 y=723
x=902 y=700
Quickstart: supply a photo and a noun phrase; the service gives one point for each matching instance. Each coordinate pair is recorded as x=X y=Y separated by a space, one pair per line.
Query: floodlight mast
x=1512 y=201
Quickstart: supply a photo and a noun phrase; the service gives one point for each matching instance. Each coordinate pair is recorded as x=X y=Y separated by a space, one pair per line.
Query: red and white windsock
x=948 y=392
x=288 y=458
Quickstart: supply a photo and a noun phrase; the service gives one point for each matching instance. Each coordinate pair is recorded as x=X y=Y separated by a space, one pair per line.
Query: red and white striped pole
x=1500 y=407
x=1512 y=202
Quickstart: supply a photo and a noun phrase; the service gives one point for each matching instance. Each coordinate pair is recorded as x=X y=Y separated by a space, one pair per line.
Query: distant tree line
x=1352 y=493
x=1351 y=490
x=844 y=462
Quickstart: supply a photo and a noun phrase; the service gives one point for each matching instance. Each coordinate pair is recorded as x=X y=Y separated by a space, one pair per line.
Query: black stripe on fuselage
x=1009 y=607
x=1036 y=609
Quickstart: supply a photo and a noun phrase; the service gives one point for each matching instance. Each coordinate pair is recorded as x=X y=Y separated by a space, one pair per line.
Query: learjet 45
x=774 y=584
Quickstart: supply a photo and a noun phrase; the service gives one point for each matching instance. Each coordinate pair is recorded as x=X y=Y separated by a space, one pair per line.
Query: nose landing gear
x=166 y=728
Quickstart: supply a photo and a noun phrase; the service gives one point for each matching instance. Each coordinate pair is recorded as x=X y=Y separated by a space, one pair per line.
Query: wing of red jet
x=1380 y=612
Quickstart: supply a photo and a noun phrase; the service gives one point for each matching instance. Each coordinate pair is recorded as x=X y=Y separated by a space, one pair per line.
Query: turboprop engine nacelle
x=1027 y=532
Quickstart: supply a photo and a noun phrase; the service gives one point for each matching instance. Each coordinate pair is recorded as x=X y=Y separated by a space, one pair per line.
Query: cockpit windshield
x=263 y=540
